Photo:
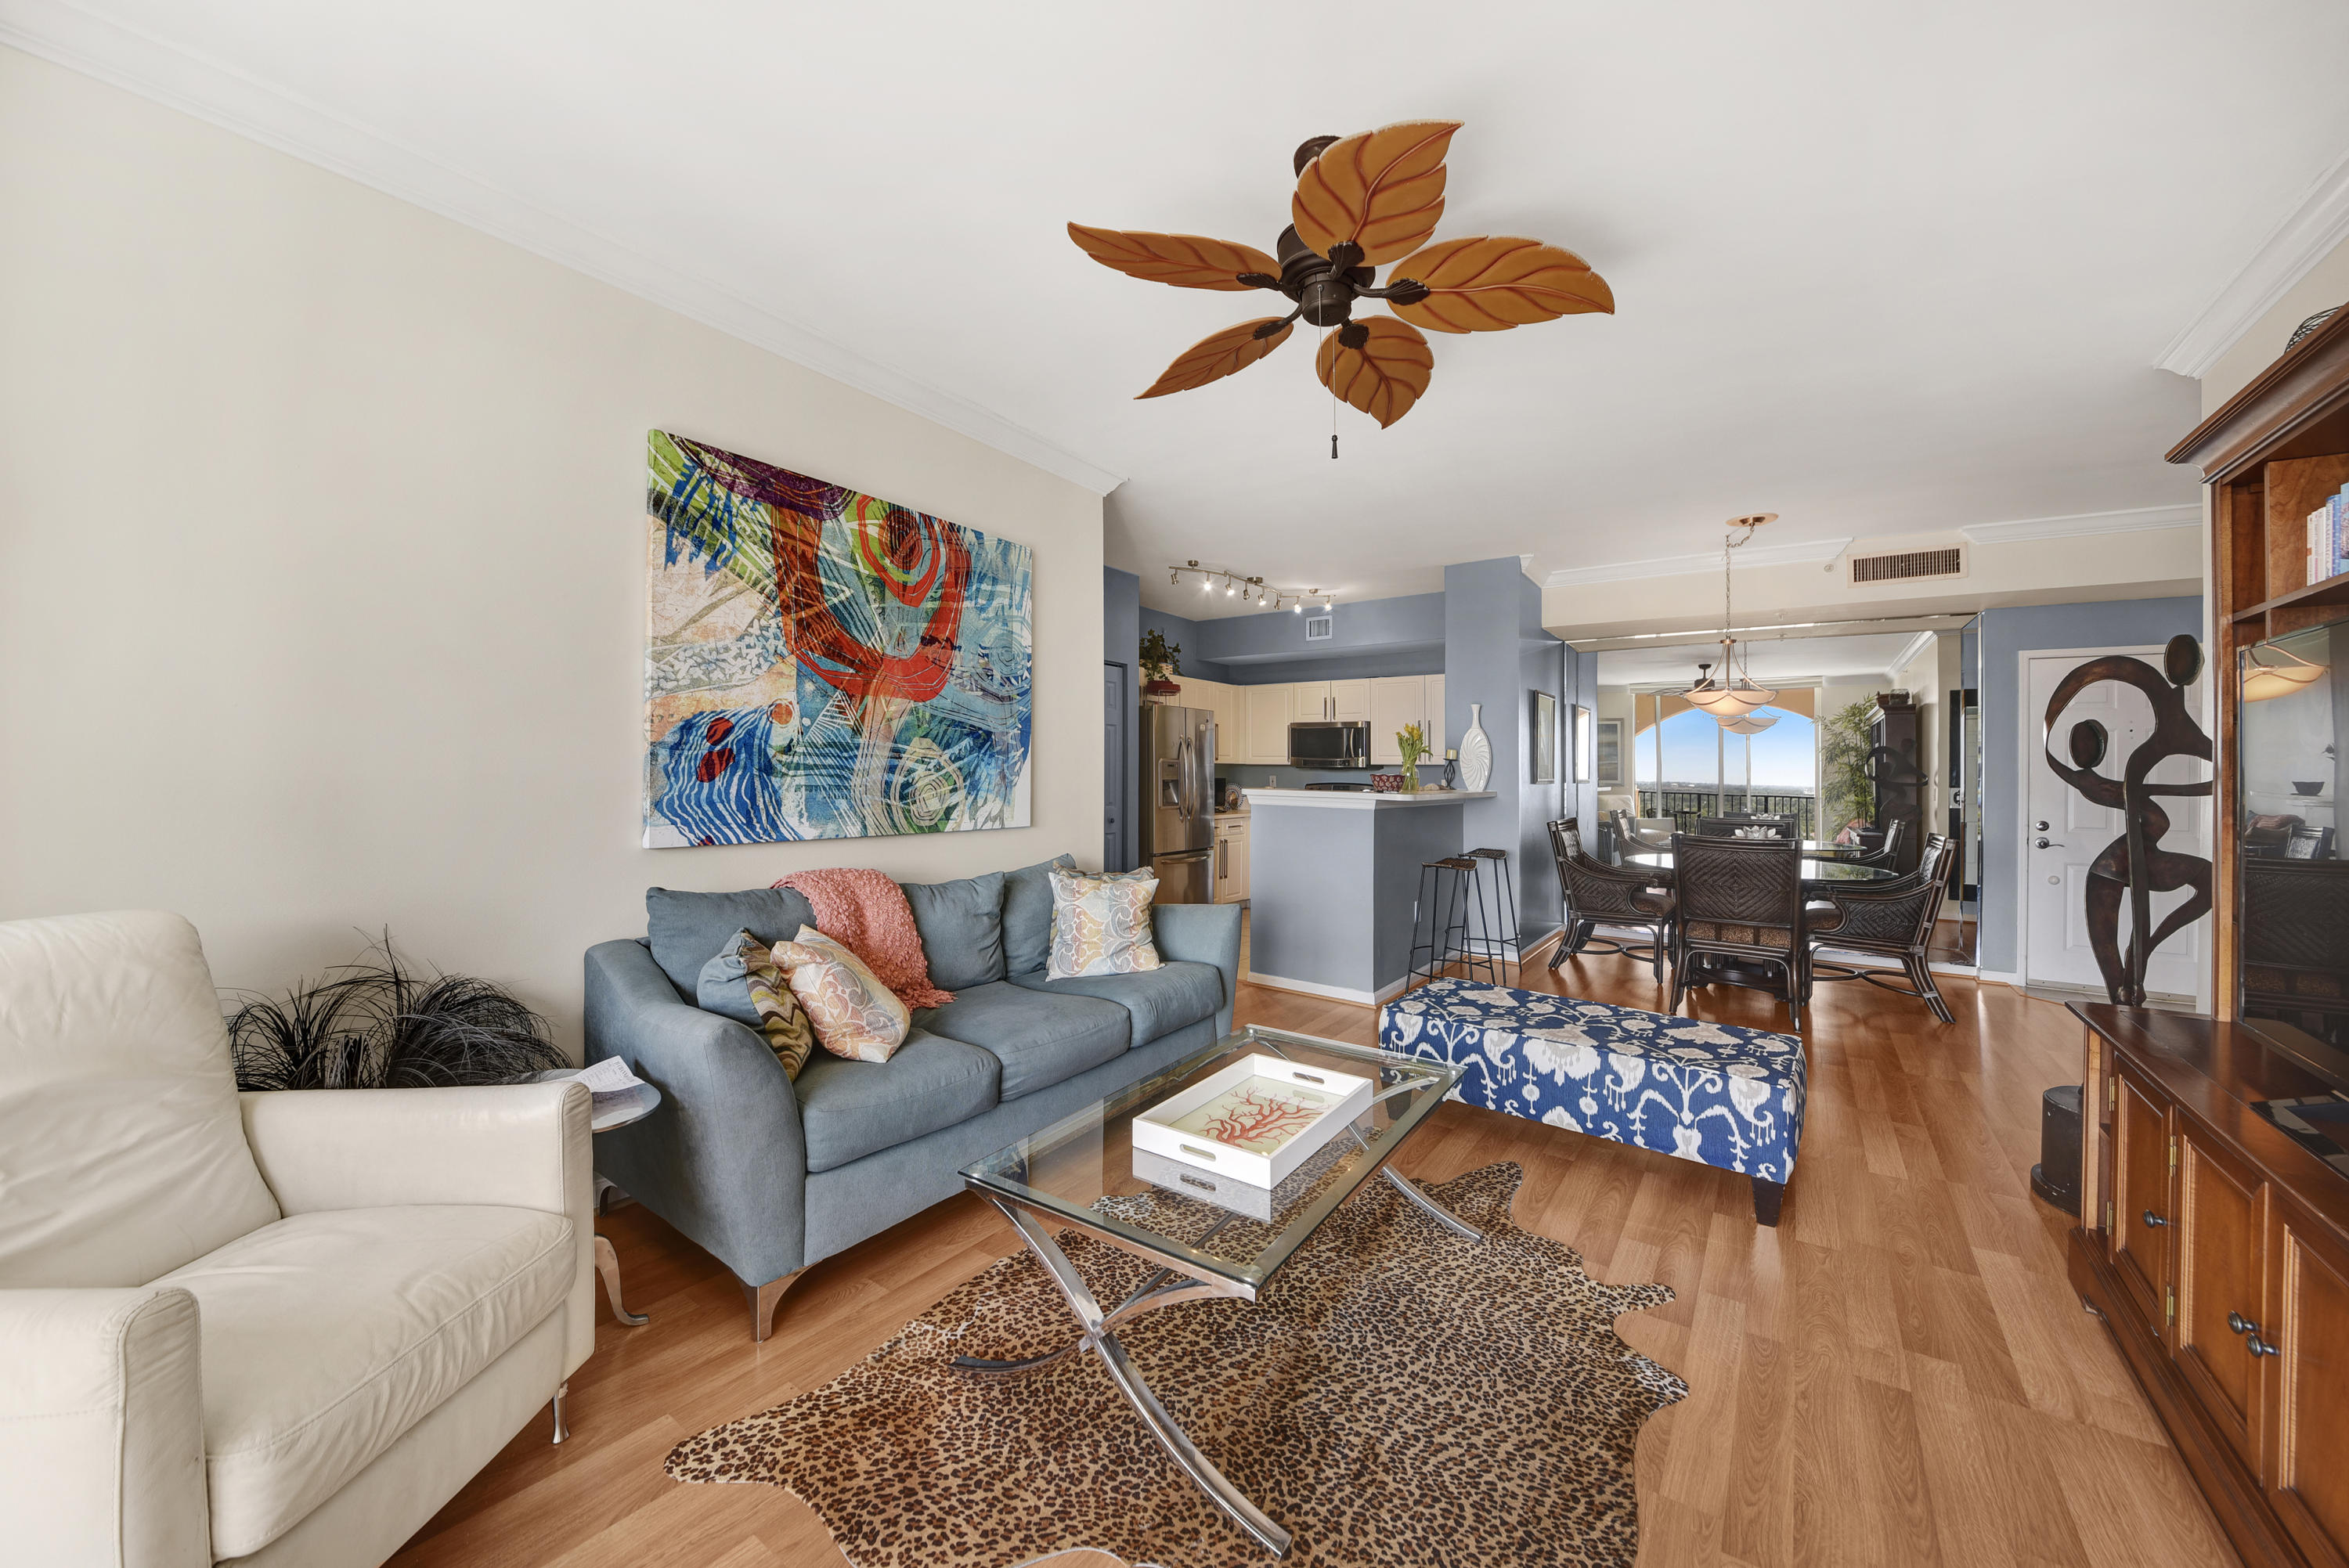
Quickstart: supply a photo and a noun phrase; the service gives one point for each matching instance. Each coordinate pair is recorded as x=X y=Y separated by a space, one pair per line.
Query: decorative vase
x=1476 y=751
x=1407 y=781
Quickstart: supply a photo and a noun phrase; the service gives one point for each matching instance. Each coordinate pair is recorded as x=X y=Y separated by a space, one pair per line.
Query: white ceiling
x=1873 y=653
x=1882 y=269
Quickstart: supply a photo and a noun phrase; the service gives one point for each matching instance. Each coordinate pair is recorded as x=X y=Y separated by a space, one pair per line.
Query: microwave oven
x=1330 y=743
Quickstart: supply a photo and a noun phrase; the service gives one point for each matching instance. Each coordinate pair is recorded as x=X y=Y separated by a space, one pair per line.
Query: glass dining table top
x=1814 y=870
x=1075 y=1171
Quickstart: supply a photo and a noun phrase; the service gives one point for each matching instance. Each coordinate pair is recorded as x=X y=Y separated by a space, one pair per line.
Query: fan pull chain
x=1333 y=400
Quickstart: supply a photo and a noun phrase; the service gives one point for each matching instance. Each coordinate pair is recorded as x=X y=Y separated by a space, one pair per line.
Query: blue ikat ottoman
x=1714 y=1093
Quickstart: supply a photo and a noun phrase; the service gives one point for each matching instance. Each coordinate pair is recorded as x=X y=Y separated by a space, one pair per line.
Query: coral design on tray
x=1259 y=1116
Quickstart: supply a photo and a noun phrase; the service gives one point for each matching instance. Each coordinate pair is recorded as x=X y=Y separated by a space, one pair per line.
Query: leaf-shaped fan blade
x=1186 y=261
x=1489 y=284
x=1385 y=375
x=1218 y=354
x=1383 y=190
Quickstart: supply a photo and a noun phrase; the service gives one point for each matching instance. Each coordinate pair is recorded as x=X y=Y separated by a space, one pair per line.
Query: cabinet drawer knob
x=2259 y=1346
x=2239 y=1323
x=2153 y=1221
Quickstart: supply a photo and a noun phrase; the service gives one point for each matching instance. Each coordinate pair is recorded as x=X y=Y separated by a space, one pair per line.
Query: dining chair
x=1892 y=919
x=1596 y=893
x=1632 y=833
x=1745 y=822
x=1887 y=853
x=1740 y=900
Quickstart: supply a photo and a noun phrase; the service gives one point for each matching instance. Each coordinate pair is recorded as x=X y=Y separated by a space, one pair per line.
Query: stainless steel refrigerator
x=1178 y=814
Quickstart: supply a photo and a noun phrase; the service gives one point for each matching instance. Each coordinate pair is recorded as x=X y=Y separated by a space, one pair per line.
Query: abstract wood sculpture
x=1361 y=202
x=2134 y=864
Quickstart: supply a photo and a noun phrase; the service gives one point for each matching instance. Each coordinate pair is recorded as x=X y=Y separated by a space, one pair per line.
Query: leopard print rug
x=1399 y=1396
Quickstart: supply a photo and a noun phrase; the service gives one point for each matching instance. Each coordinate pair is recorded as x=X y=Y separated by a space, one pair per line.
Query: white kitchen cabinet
x=1269 y=711
x=1231 y=723
x=1437 y=741
x=1308 y=701
x=1396 y=701
x=1350 y=699
x=1231 y=859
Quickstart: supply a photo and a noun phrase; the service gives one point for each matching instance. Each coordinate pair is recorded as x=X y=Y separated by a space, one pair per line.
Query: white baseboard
x=1327 y=993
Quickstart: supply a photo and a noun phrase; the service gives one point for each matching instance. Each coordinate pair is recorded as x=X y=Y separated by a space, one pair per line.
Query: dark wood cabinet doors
x=2141 y=1224
x=2221 y=1288
x=2305 y=1366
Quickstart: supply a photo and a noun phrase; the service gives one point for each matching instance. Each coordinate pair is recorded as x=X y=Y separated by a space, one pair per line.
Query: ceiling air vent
x=1909 y=565
x=1320 y=628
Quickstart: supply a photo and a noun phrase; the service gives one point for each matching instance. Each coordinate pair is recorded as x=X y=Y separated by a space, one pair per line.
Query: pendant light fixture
x=2264 y=681
x=1749 y=724
x=1733 y=695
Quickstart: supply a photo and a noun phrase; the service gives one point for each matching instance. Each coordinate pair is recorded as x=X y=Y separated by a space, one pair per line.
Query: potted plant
x=1158 y=666
x=1412 y=741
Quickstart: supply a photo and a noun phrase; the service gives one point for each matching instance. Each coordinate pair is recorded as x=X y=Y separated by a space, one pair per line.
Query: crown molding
x=166 y=74
x=2136 y=521
x=1809 y=553
x=1916 y=645
x=2317 y=222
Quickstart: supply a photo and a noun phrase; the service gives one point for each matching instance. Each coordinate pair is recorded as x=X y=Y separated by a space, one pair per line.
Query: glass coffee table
x=1209 y=1237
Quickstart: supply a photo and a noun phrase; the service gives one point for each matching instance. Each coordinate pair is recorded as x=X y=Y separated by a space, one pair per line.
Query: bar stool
x=1445 y=887
x=1500 y=937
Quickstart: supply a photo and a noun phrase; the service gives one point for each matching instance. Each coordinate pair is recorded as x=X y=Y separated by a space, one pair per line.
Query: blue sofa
x=772 y=1176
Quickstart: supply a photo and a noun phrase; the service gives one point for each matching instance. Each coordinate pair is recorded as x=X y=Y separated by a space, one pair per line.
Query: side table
x=615 y=1111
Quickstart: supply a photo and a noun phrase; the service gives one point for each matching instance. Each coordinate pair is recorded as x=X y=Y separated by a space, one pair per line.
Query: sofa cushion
x=1027 y=915
x=688 y=929
x=122 y=1150
x=961 y=925
x=745 y=983
x=1039 y=1039
x=848 y=1109
x=1160 y=1001
x=327 y=1335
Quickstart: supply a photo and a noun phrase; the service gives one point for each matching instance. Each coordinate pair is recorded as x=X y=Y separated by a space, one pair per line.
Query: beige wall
x=2326 y=284
x=322 y=560
x=2147 y=563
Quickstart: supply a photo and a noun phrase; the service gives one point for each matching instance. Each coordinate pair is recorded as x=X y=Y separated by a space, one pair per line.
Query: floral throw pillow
x=854 y=1014
x=1101 y=925
x=745 y=983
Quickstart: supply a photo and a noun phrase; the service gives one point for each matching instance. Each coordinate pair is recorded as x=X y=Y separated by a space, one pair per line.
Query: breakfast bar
x=1332 y=878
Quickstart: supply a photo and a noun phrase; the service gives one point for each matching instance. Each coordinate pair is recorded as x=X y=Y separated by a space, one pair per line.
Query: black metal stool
x=1500 y=938
x=1445 y=889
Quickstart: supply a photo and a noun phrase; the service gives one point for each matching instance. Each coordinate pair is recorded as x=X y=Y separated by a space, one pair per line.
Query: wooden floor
x=1899 y=1374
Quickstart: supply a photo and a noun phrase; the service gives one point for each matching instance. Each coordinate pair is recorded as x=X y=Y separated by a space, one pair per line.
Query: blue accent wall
x=2005 y=634
x=1121 y=644
x=1186 y=635
x=1399 y=636
x=1496 y=655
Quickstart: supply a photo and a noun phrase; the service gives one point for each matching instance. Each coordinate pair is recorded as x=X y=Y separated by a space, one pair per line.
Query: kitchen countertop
x=1363 y=800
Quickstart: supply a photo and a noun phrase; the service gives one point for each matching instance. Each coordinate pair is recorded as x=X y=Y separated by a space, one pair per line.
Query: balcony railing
x=1684 y=804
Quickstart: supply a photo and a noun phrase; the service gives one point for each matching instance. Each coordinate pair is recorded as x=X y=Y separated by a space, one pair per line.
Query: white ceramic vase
x=1476 y=751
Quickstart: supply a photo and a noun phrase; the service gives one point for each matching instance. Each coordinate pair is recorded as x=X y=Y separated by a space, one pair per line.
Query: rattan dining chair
x=1740 y=900
x=1887 y=853
x=1731 y=827
x=1892 y=919
x=1599 y=894
x=1630 y=837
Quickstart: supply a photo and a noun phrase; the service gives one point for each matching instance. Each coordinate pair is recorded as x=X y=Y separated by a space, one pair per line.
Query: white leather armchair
x=267 y=1329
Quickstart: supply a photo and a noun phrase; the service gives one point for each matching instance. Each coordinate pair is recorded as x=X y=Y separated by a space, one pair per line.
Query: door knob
x=2241 y=1324
x=2154 y=1221
x=2043 y=844
x=2040 y=827
x=2259 y=1346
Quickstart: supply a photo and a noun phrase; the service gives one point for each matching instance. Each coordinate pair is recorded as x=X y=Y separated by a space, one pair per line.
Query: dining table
x=1819 y=872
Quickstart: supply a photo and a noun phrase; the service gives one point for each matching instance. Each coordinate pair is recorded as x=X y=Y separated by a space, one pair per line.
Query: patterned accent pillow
x=744 y=983
x=854 y=1014
x=1101 y=925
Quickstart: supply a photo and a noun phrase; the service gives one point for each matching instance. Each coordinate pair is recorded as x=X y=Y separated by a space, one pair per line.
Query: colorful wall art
x=822 y=664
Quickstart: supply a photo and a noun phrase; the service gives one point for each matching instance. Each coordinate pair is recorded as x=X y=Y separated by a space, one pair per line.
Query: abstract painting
x=820 y=663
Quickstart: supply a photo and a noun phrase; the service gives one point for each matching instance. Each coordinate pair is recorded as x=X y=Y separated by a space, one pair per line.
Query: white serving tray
x=1332 y=1098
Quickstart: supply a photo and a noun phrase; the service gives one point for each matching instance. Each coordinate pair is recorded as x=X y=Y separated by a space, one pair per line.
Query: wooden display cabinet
x=2217 y=1251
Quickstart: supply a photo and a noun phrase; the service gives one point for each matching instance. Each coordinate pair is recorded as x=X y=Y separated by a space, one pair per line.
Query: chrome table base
x=1163 y=1288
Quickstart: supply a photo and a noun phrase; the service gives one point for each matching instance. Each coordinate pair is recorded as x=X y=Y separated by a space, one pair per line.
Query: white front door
x=2063 y=833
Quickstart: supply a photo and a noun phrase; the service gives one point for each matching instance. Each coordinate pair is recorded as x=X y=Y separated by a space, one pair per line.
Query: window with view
x=1686 y=766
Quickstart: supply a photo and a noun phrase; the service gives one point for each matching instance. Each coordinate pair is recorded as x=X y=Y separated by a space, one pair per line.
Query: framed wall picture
x=1584 y=744
x=1543 y=752
x=1610 y=753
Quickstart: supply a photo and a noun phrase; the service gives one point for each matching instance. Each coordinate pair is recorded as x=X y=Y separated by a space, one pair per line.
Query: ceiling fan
x=1361 y=202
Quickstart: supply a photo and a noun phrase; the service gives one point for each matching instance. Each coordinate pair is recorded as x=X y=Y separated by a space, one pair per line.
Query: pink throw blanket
x=867 y=913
